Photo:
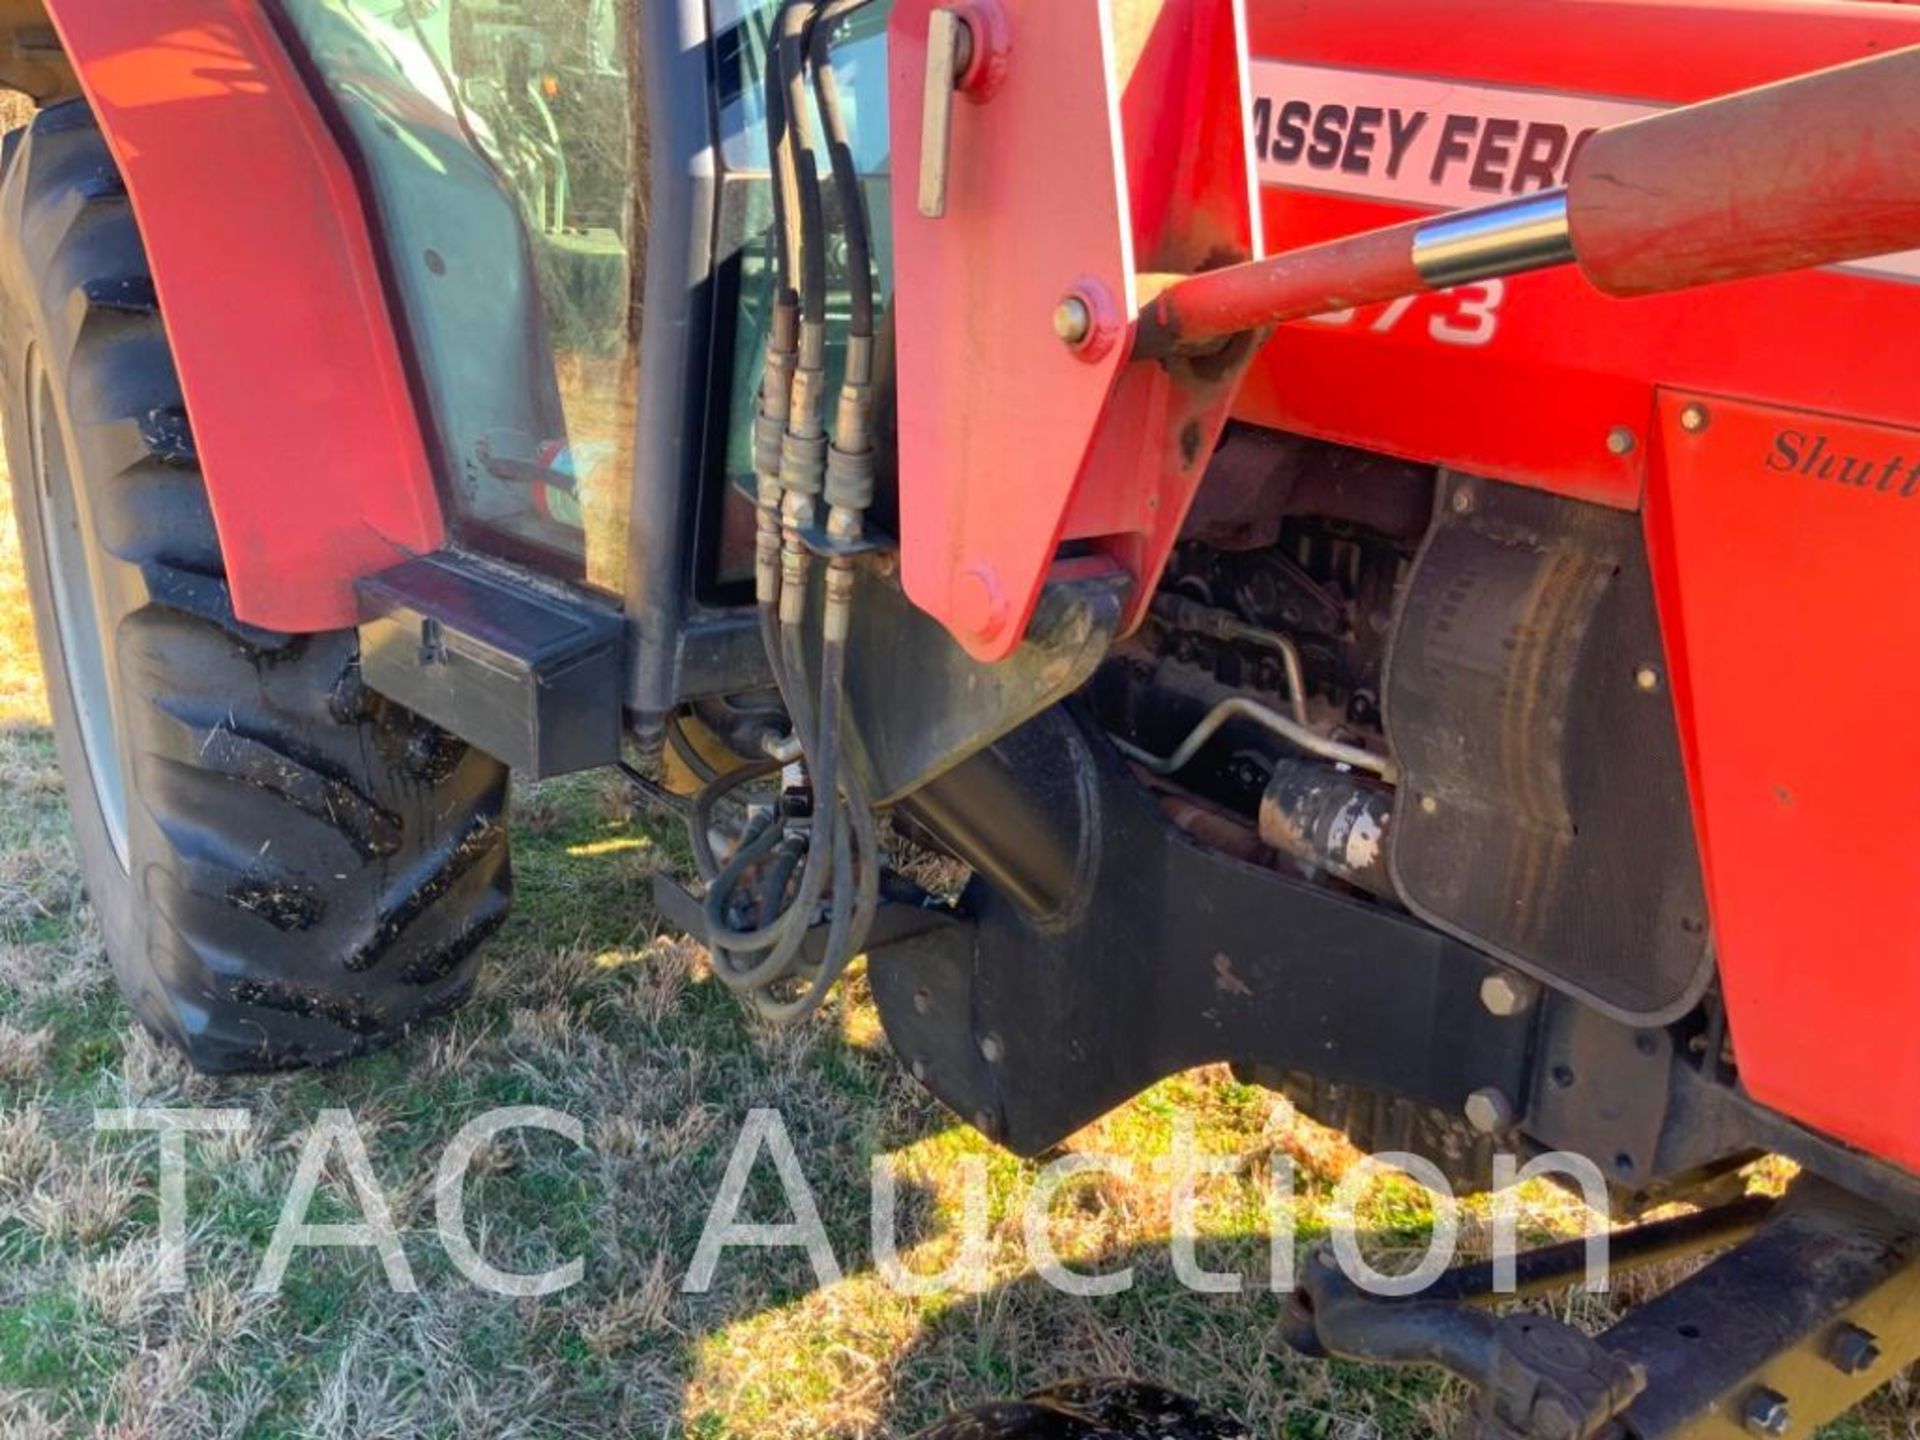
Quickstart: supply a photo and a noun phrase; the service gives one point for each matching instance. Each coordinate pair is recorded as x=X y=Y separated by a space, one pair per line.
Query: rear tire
x=289 y=869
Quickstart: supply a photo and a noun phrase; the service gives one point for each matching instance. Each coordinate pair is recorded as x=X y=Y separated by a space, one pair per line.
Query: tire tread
x=314 y=867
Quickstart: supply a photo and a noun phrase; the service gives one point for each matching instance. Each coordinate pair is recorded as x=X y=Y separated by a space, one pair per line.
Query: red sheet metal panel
x=1115 y=145
x=1369 y=111
x=1784 y=580
x=1784 y=544
x=266 y=273
x=995 y=412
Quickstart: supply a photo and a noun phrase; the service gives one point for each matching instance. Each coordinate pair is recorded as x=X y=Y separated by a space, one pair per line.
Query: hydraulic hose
x=796 y=24
x=700 y=832
x=799 y=253
x=853 y=907
x=795 y=460
x=782 y=939
x=792 y=923
x=803 y=459
x=783 y=345
x=786 y=186
x=850 y=461
x=846 y=174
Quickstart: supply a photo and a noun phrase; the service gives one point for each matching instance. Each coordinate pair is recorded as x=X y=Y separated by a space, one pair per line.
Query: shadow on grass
x=1024 y=1335
x=586 y=1008
x=589 y=1009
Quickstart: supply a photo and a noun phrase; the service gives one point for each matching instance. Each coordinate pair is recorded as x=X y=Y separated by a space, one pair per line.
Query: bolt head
x=980 y=608
x=991 y=1049
x=1647 y=678
x=1695 y=418
x=920 y=1071
x=1489 y=1111
x=1853 y=1351
x=1073 y=321
x=1766 y=1412
x=1506 y=995
x=1463 y=501
x=1621 y=440
x=1429 y=805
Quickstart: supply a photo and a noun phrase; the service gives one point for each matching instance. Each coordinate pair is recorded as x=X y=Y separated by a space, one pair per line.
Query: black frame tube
x=675 y=347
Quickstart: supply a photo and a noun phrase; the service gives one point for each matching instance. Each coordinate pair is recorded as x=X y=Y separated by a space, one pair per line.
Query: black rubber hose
x=770 y=642
x=783 y=938
x=700 y=823
x=835 y=838
x=798 y=246
x=720 y=897
x=773 y=890
x=788 y=932
x=820 y=981
x=855 y=903
x=866 y=834
x=846 y=175
x=784 y=651
x=779 y=939
x=796 y=26
x=860 y=283
x=786 y=190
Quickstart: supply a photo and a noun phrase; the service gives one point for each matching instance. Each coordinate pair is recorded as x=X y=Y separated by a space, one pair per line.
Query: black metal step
x=510 y=663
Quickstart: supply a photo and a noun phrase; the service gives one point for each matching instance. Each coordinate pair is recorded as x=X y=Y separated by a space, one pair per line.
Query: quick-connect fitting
x=769 y=444
x=776 y=400
x=850 y=462
x=803 y=452
x=838 y=621
x=796 y=568
x=850 y=482
x=803 y=470
x=766 y=554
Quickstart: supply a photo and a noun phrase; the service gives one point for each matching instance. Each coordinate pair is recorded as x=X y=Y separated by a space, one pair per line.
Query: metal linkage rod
x=1828 y=171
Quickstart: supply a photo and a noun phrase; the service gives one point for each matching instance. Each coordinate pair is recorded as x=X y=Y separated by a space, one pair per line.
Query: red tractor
x=1367 y=525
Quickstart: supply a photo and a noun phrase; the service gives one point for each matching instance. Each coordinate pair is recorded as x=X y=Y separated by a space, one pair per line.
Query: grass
x=589 y=1009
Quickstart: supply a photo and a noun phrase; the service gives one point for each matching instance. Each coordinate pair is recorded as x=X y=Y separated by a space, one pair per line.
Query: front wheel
x=288 y=869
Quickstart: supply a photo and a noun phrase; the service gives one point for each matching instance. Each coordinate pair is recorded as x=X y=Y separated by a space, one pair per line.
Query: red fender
x=265 y=266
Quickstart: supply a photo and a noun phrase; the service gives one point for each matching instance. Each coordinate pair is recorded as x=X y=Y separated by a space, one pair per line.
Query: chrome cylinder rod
x=1530 y=233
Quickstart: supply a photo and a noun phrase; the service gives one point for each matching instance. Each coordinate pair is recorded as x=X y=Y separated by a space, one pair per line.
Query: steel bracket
x=920 y=705
x=1815 y=1304
x=1113 y=147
